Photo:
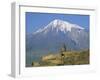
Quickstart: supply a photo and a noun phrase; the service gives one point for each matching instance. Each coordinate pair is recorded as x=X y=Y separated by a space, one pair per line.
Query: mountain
x=58 y=32
x=58 y=25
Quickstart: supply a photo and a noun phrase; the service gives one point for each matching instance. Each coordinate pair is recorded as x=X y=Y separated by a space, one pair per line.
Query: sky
x=34 y=20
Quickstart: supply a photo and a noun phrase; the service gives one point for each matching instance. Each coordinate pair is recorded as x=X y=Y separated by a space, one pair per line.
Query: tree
x=63 y=49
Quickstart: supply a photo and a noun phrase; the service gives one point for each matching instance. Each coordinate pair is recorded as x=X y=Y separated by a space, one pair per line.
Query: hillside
x=65 y=58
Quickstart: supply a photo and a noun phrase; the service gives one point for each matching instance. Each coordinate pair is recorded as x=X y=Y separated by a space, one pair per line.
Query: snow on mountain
x=59 y=25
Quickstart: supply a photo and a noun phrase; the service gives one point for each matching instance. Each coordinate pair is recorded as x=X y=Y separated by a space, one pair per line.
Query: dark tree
x=63 y=49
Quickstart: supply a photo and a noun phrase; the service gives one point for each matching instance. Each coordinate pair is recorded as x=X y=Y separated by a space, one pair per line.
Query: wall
x=5 y=40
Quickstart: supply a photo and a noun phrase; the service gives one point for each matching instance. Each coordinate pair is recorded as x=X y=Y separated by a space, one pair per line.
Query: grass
x=68 y=58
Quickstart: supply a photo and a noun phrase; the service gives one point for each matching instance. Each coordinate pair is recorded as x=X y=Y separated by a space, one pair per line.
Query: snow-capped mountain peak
x=59 y=25
x=58 y=32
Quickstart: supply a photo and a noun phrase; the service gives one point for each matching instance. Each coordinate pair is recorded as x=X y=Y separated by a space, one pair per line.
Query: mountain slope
x=54 y=35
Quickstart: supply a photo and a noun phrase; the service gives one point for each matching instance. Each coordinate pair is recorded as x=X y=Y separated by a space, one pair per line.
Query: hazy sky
x=35 y=20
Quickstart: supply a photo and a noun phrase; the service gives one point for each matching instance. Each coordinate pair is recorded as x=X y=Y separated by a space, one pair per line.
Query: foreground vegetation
x=64 y=58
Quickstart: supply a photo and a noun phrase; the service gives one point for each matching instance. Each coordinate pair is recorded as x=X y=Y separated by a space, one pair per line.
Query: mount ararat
x=50 y=38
